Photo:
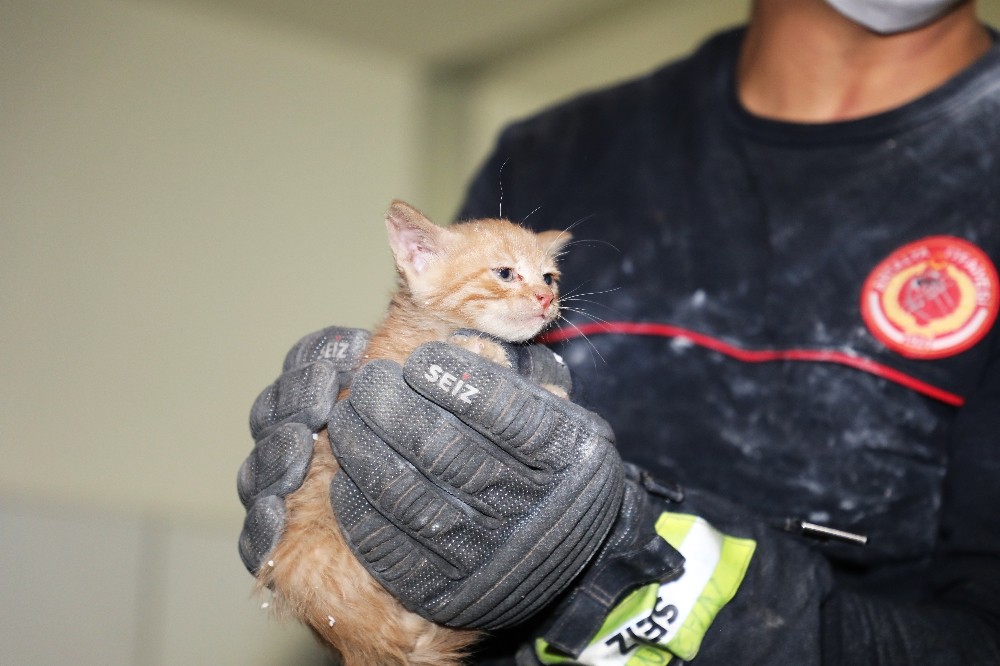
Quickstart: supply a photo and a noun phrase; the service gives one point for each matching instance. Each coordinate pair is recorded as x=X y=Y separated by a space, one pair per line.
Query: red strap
x=755 y=355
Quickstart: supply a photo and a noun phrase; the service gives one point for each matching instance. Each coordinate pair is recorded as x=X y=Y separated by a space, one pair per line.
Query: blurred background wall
x=186 y=188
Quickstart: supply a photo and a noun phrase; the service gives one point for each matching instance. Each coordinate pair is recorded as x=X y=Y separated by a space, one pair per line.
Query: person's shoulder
x=982 y=78
x=678 y=83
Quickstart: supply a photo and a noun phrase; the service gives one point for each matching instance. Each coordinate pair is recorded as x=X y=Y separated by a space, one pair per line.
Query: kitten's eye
x=505 y=274
x=548 y=278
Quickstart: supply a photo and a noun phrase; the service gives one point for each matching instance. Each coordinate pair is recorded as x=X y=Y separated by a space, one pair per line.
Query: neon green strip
x=673 y=527
x=547 y=655
x=734 y=559
x=638 y=602
x=649 y=655
x=717 y=564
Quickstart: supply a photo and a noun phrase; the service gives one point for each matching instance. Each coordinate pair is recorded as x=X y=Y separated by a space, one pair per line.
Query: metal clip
x=824 y=533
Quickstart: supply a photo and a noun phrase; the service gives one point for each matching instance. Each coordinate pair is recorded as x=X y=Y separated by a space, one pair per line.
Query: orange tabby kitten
x=489 y=275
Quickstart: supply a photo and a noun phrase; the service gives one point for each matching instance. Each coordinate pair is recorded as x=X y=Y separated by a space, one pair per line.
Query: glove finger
x=305 y=394
x=423 y=544
x=448 y=532
x=277 y=465
x=537 y=428
x=415 y=574
x=474 y=470
x=343 y=347
x=545 y=522
x=540 y=365
x=261 y=530
x=541 y=566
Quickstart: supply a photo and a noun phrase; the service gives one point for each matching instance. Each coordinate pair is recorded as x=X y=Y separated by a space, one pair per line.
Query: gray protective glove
x=474 y=496
x=282 y=421
x=298 y=404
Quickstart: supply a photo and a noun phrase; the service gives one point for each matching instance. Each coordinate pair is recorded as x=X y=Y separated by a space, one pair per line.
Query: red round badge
x=931 y=298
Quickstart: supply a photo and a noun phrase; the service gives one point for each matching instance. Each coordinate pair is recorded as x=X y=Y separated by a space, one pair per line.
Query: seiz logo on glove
x=449 y=383
x=336 y=349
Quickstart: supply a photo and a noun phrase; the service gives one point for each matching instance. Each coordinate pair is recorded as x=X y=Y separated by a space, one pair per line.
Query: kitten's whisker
x=579 y=298
x=532 y=213
x=586 y=314
x=571 y=291
x=595 y=241
x=556 y=240
x=566 y=231
x=591 y=293
x=592 y=302
x=579 y=221
x=593 y=347
x=500 y=182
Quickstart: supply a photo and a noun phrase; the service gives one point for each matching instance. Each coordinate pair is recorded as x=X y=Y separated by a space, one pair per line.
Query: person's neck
x=802 y=61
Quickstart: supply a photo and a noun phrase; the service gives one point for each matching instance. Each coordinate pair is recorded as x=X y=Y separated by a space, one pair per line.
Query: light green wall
x=182 y=196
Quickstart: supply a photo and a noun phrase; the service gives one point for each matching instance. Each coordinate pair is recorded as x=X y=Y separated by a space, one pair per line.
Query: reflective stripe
x=701 y=546
x=658 y=621
x=719 y=563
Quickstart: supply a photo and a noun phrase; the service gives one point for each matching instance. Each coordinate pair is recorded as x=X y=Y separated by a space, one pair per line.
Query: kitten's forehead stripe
x=502 y=243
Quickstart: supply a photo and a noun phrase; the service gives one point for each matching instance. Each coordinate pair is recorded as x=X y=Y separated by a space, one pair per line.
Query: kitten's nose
x=544 y=299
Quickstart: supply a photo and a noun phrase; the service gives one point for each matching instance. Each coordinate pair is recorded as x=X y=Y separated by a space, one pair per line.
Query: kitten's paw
x=488 y=349
x=557 y=391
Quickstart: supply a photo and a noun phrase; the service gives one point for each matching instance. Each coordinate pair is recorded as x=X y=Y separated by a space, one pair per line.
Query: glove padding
x=286 y=414
x=314 y=372
x=283 y=418
x=473 y=496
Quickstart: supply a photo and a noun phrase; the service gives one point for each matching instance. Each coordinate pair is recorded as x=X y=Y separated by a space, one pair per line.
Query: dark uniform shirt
x=797 y=318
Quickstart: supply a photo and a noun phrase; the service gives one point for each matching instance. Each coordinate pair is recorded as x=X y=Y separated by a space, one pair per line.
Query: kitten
x=490 y=275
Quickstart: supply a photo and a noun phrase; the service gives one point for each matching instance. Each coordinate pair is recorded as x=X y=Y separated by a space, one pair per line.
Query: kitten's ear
x=553 y=241
x=415 y=240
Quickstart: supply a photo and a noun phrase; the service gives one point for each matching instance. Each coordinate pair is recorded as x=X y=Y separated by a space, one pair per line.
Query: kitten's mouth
x=544 y=320
x=519 y=323
x=525 y=328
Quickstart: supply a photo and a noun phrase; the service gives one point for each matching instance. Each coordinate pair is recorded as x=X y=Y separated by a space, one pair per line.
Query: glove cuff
x=634 y=555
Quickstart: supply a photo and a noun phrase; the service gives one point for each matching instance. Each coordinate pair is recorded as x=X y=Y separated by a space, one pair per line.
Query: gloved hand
x=684 y=575
x=474 y=496
x=299 y=403
x=282 y=422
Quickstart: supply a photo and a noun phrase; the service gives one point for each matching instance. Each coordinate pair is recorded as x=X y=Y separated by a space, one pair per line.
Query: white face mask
x=888 y=16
